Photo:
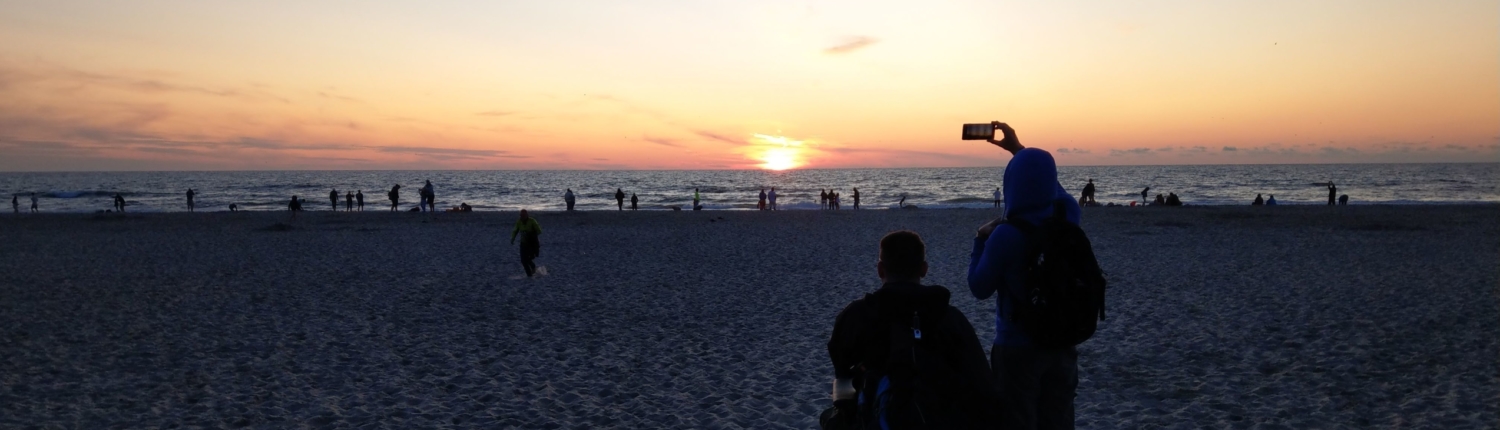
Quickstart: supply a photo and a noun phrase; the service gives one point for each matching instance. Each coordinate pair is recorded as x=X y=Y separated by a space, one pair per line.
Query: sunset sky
x=221 y=85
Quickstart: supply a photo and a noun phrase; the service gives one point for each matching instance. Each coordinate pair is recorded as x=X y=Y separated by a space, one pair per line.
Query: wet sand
x=1229 y=317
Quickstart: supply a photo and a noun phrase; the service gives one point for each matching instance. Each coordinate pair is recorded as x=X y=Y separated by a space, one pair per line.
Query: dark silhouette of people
x=359 y=200
x=634 y=202
x=294 y=206
x=395 y=196
x=1271 y=201
x=348 y=201
x=119 y=203
x=33 y=203
x=429 y=197
x=761 y=204
x=531 y=244
x=1333 y=192
x=190 y=194
x=333 y=198
x=860 y=352
x=620 y=198
x=1144 y=194
x=1344 y=200
x=15 y=203
x=1160 y=200
x=1172 y=200
x=569 y=199
x=997 y=198
x=902 y=203
x=1088 y=193
x=771 y=199
x=1258 y=201
x=696 y=206
x=234 y=207
x=856 y=199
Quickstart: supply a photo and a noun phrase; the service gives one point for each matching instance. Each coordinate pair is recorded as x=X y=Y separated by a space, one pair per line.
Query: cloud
x=719 y=137
x=1133 y=151
x=1165 y=149
x=902 y=152
x=662 y=141
x=432 y=150
x=1230 y=149
x=1072 y=151
x=852 y=44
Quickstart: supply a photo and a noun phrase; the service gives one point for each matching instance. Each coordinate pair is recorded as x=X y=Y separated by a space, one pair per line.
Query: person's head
x=429 y=182
x=525 y=215
x=903 y=257
x=1091 y=180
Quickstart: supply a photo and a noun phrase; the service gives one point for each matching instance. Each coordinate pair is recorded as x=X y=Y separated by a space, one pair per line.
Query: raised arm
x=1008 y=142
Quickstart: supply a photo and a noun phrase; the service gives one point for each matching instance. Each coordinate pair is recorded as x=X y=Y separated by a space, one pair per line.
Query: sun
x=776 y=152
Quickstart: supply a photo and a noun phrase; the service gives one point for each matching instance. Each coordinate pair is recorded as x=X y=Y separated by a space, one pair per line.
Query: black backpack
x=919 y=386
x=1063 y=300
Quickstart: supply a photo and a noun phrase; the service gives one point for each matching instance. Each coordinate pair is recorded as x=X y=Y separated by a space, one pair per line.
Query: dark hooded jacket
x=996 y=264
x=861 y=341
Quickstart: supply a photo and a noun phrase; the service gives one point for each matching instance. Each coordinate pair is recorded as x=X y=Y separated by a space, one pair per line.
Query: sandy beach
x=1224 y=317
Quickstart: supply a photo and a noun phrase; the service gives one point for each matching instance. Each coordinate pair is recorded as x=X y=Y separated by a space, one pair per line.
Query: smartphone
x=979 y=131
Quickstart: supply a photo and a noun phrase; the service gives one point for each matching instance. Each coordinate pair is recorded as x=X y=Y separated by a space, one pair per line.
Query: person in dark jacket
x=620 y=198
x=860 y=345
x=531 y=243
x=395 y=196
x=1258 y=201
x=1036 y=385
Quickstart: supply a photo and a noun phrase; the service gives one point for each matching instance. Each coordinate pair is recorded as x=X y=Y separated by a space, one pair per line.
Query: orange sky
x=209 y=85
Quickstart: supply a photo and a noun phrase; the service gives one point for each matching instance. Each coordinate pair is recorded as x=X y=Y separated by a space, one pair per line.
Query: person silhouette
x=856 y=199
x=33 y=202
x=359 y=200
x=997 y=198
x=531 y=244
x=294 y=206
x=1160 y=200
x=1333 y=193
x=395 y=196
x=348 y=201
x=1258 y=201
x=634 y=202
x=190 y=194
x=1271 y=201
x=333 y=198
x=15 y=203
x=1088 y=193
x=620 y=198
x=696 y=206
x=1344 y=200
x=902 y=203
x=822 y=199
x=569 y=199
x=119 y=203
x=429 y=196
x=761 y=204
x=771 y=199
x=1144 y=194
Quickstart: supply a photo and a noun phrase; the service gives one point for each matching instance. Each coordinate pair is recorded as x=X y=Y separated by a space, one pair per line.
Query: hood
x=903 y=298
x=1030 y=185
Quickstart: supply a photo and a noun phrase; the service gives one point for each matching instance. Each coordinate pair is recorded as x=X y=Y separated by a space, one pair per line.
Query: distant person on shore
x=359 y=200
x=1172 y=200
x=119 y=203
x=620 y=198
x=856 y=199
x=333 y=198
x=430 y=196
x=902 y=203
x=1258 y=201
x=348 y=201
x=696 y=206
x=531 y=244
x=1160 y=200
x=395 y=196
x=1144 y=194
x=997 y=197
x=867 y=355
x=1344 y=200
x=761 y=204
x=294 y=206
x=569 y=199
x=15 y=203
x=232 y=207
x=190 y=194
x=634 y=202
x=33 y=203
x=1271 y=201
x=771 y=198
x=1037 y=383
x=833 y=200
x=1088 y=193
x=1333 y=193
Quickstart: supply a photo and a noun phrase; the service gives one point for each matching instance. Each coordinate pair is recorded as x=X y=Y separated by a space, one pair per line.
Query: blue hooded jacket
x=995 y=265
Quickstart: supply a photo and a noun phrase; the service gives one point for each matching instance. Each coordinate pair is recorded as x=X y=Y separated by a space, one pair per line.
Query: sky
x=562 y=84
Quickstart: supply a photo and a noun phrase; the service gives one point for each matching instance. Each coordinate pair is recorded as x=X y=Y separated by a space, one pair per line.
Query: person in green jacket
x=531 y=245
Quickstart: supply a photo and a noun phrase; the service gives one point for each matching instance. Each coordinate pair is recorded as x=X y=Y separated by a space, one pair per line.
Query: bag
x=1063 y=299
x=919 y=385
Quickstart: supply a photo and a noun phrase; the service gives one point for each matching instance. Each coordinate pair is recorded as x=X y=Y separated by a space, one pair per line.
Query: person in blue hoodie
x=1036 y=386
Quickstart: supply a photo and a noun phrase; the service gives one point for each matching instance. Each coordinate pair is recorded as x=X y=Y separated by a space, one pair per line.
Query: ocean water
x=737 y=189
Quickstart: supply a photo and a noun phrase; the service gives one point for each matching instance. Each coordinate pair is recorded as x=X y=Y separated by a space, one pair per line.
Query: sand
x=1227 y=317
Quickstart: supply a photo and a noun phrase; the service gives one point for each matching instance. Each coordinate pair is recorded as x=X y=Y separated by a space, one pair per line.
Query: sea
x=1299 y=184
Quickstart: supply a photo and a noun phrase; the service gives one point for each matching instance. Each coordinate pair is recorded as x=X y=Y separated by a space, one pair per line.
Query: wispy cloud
x=851 y=44
x=719 y=137
x=662 y=141
x=1129 y=152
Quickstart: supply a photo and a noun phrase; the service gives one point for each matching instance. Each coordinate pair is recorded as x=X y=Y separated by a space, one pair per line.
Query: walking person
x=33 y=203
x=119 y=203
x=1145 y=194
x=634 y=202
x=359 y=200
x=695 y=199
x=771 y=198
x=531 y=244
x=620 y=198
x=395 y=196
x=822 y=198
x=190 y=194
x=856 y=199
x=348 y=201
x=568 y=199
x=333 y=198
x=15 y=203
